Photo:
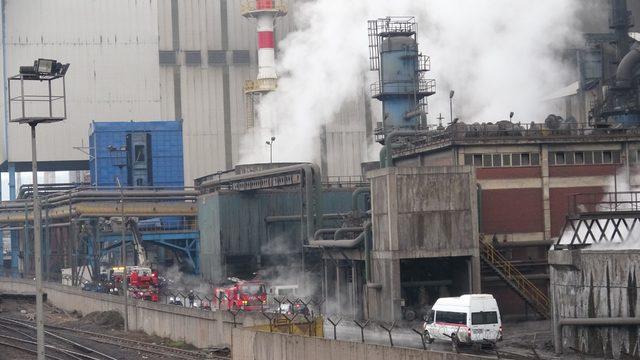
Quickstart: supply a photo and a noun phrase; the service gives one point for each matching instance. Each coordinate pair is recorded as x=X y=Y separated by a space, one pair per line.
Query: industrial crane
x=141 y=253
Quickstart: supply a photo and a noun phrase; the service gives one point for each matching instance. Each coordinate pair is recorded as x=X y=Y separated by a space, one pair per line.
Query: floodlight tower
x=265 y=12
x=43 y=71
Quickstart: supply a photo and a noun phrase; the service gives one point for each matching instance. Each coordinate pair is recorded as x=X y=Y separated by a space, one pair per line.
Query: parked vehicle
x=248 y=295
x=465 y=320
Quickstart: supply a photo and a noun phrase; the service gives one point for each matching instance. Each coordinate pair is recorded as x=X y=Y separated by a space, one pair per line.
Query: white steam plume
x=498 y=56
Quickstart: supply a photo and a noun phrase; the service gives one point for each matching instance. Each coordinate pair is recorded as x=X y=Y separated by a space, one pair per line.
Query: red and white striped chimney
x=265 y=12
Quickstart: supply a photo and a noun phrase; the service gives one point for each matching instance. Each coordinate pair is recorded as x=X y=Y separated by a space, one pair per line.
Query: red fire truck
x=248 y=295
x=142 y=281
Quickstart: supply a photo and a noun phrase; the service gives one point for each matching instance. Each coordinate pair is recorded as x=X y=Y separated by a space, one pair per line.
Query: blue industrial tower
x=401 y=86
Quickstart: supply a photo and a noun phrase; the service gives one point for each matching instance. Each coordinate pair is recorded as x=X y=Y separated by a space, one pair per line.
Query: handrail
x=532 y=294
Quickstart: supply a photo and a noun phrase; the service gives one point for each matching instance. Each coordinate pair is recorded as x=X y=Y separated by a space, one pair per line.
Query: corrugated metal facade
x=128 y=63
x=113 y=50
x=210 y=96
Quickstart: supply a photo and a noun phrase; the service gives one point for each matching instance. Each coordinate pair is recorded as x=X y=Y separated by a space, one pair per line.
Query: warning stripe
x=265 y=40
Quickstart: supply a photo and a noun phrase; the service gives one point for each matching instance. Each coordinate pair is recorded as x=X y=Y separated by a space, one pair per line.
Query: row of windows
x=555 y=158
x=584 y=157
x=215 y=57
x=502 y=160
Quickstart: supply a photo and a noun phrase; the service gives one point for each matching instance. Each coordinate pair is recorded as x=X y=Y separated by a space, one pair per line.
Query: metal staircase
x=525 y=288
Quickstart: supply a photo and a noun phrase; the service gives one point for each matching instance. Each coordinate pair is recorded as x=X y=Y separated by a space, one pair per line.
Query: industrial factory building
x=165 y=59
x=541 y=215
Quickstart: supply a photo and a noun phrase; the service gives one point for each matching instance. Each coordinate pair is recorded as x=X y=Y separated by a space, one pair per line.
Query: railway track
x=163 y=351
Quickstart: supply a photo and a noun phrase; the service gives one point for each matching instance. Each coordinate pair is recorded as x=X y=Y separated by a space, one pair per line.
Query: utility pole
x=123 y=254
x=270 y=143
x=37 y=241
x=43 y=71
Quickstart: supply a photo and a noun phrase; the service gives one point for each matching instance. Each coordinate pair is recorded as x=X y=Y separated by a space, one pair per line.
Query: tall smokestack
x=265 y=12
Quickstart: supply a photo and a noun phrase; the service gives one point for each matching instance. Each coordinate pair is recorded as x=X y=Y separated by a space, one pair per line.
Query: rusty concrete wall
x=419 y=212
x=425 y=211
x=200 y=328
x=596 y=284
x=252 y=345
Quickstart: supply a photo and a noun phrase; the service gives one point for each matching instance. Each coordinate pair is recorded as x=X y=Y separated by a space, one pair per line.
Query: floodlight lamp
x=451 y=94
x=267 y=142
x=45 y=66
x=511 y=115
x=273 y=138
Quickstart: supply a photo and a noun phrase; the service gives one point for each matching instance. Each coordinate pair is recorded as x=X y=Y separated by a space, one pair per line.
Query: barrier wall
x=257 y=345
x=211 y=328
x=198 y=327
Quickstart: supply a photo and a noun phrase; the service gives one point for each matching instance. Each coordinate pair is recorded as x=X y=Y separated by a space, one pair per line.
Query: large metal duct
x=312 y=176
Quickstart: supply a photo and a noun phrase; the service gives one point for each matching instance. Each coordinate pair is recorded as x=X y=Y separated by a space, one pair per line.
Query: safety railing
x=529 y=291
x=604 y=202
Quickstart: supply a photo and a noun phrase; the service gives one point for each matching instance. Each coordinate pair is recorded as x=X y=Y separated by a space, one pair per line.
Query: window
x=515 y=159
x=192 y=58
x=525 y=160
x=486 y=160
x=506 y=160
x=535 y=159
x=167 y=57
x=484 y=318
x=217 y=57
x=140 y=153
x=607 y=158
x=560 y=160
x=568 y=156
x=468 y=159
x=241 y=57
x=588 y=157
x=477 y=160
x=497 y=160
x=597 y=157
x=616 y=157
x=430 y=317
x=579 y=158
x=451 y=317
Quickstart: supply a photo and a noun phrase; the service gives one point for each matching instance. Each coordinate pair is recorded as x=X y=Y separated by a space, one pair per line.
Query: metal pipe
x=319 y=232
x=341 y=231
x=344 y=244
x=607 y=321
x=588 y=322
x=292 y=218
x=367 y=255
x=354 y=199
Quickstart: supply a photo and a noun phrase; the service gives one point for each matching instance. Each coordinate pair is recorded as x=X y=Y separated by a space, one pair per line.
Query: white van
x=468 y=319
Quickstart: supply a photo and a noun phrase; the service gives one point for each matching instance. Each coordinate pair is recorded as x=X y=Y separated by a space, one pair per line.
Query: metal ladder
x=525 y=288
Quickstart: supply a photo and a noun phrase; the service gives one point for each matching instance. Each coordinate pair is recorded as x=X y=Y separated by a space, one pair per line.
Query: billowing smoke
x=498 y=56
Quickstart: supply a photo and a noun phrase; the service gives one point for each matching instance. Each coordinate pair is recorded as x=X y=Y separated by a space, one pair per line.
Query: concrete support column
x=624 y=154
x=555 y=317
x=546 y=206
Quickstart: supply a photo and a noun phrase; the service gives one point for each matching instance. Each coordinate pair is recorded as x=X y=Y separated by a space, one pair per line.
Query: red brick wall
x=582 y=170
x=508 y=173
x=512 y=211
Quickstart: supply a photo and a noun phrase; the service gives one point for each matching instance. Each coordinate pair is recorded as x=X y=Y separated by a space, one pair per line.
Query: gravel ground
x=109 y=323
